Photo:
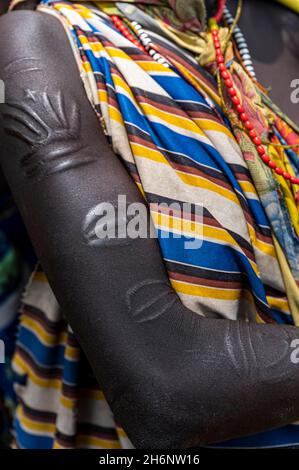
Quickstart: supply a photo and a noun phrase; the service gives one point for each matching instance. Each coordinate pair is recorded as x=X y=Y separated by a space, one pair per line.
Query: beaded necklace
x=240 y=43
x=136 y=34
x=240 y=110
x=144 y=43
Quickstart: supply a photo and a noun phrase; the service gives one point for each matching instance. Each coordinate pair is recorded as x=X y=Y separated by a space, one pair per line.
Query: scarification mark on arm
x=21 y=65
x=18 y=61
x=51 y=130
x=229 y=344
x=157 y=304
x=254 y=363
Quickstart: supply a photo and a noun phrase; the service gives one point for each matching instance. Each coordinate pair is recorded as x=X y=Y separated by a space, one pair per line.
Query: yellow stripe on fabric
x=264 y=247
x=97 y=442
x=72 y=353
x=56 y=445
x=121 y=432
x=69 y=403
x=83 y=39
x=37 y=380
x=103 y=97
x=115 y=115
x=248 y=188
x=142 y=151
x=278 y=303
x=292 y=4
x=96 y=50
x=120 y=83
x=151 y=66
x=209 y=125
x=208 y=232
x=83 y=11
x=181 y=122
x=139 y=185
x=259 y=320
x=40 y=276
x=205 y=291
x=63 y=5
x=115 y=52
x=179 y=225
x=94 y=394
x=48 y=339
x=202 y=182
x=33 y=426
x=87 y=67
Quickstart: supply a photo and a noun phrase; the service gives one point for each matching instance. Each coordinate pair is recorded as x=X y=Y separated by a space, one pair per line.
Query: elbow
x=160 y=415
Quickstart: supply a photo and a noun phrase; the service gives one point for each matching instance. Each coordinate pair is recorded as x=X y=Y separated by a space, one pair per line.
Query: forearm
x=171 y=377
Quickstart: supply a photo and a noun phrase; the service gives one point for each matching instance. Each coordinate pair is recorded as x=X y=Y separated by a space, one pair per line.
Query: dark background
x=272 y=33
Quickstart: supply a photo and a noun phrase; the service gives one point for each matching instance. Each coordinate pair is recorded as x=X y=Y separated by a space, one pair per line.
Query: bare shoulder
x=45 y=116
x=30 y=33
x=21 y=24
x=35 y=52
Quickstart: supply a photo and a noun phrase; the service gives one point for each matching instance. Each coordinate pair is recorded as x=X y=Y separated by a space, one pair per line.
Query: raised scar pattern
x=51 y=132
x=21 y=65
x=244 y=346
x=143 y=311
x=93 y=219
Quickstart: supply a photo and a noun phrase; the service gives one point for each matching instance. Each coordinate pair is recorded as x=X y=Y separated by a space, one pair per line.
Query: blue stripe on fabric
x=281 y=318
x=288 y=435
x=213 y=256
x=45 y=355
x=179 y=89
x=162 y=136
x=258 y=212
x=48 y=357
x=27 y=440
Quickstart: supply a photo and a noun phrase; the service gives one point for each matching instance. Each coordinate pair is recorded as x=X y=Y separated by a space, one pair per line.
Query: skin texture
x=172 y=378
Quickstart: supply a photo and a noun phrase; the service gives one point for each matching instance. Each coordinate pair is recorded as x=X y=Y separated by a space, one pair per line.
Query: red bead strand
x=126 y=32
x=220 y=9
x=242 y=115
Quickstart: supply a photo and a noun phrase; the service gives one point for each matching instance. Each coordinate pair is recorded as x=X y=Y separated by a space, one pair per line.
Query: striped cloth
x=15 y=269
x=166 y=126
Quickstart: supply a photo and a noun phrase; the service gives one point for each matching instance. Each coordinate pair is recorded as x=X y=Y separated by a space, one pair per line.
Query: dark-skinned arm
x=172 y=378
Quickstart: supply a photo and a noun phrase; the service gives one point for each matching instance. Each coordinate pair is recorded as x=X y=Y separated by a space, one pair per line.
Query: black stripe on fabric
x=51 y=326
x=132 y=170
x=274 y=292
x=236 y=168
x=69 y=441
x=135 y=51
x=191 y=106
x=157 y=199
x=244 y=244
x=196 y=271
x=38 y=415
x=172 y=103
x=186 y=161
x=180 y=53
x=46 y=372
x=263 y=231
x=96 y=430
x=138 y=132
x=154 y=97
x=70 y=391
